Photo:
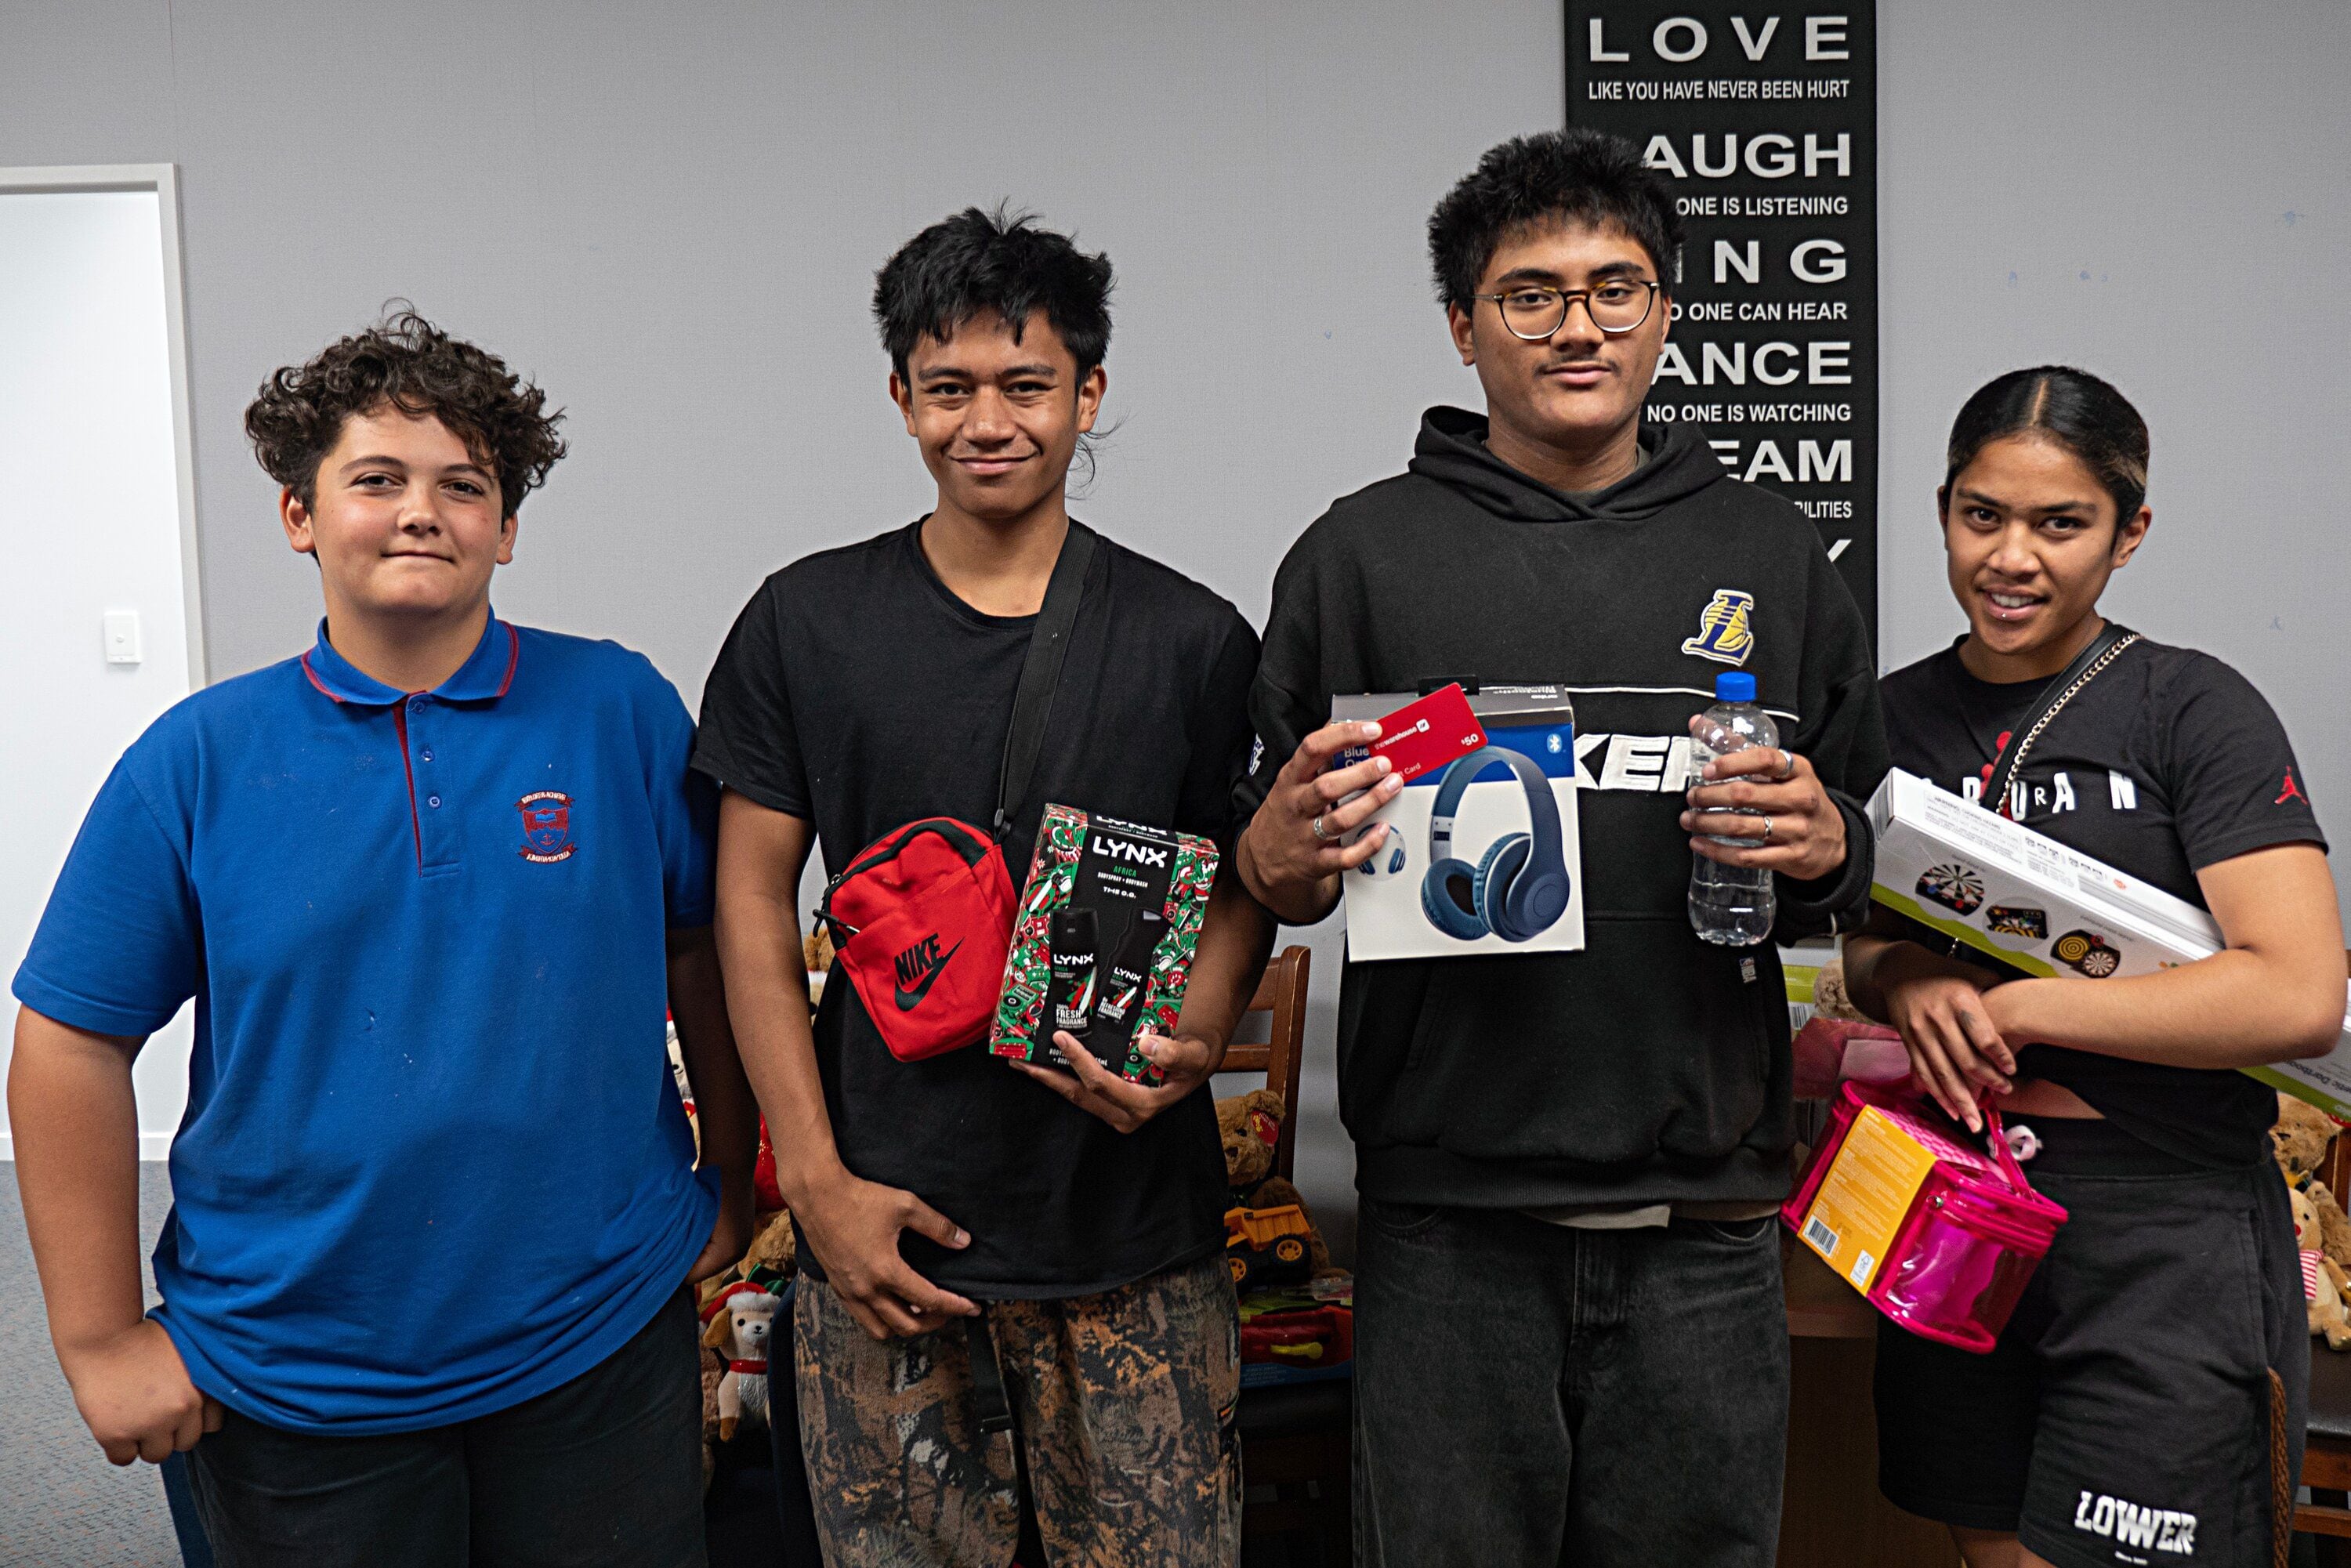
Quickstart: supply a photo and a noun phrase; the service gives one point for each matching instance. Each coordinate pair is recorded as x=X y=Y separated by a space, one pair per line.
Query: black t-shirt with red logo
x=2168 y=762
x=858 y=692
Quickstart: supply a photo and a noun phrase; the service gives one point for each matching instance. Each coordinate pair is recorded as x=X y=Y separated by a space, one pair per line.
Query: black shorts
x=605 y=1471
x=2126 y=1415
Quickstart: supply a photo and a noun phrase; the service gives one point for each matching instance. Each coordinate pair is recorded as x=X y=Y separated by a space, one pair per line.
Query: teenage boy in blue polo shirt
x=431 y=885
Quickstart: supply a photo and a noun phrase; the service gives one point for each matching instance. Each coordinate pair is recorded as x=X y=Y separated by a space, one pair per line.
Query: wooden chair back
x=1280 y=991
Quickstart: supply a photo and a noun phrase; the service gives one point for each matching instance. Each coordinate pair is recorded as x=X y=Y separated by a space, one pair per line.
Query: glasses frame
x=1568 y=298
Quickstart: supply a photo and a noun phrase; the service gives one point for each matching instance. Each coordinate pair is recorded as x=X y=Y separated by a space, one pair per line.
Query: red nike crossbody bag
x=928 y=914
x=921 y=918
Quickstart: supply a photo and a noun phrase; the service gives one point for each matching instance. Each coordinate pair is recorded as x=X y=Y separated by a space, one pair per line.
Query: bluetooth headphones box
x=1102 y=941
x=1482 y=855
x=2035 y=905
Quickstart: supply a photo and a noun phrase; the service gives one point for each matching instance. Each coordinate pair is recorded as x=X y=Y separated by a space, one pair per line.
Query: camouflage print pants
x=1122 y=1404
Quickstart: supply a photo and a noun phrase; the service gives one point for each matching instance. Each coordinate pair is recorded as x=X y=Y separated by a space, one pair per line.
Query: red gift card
x=1437 y=730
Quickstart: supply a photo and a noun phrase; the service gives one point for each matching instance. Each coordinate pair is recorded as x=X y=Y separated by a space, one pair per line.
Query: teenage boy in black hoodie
x=1572 y=1345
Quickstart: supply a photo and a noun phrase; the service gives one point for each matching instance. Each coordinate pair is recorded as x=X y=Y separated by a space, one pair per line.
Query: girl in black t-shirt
x=2146 y=1402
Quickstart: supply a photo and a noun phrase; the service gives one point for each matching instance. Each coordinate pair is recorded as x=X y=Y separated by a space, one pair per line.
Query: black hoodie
x=1650 y=1066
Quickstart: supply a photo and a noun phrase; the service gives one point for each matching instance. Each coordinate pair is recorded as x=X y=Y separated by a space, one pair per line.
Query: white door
x=97 y=636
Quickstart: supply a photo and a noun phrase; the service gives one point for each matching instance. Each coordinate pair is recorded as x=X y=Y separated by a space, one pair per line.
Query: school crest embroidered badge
x=545 y=827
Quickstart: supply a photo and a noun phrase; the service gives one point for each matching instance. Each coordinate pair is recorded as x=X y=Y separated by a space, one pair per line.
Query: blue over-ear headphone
x=1518 y=888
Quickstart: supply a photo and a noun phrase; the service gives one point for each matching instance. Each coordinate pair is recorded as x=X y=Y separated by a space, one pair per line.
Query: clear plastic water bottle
x=1731 y=905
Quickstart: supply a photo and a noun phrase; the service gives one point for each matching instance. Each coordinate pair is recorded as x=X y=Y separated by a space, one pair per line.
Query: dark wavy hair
x=1002 y=261
x=405 y=362
x=1578 y=174
x=2077 y=410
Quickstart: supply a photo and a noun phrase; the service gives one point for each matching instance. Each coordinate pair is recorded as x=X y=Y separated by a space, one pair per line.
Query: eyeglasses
x=1534 y=313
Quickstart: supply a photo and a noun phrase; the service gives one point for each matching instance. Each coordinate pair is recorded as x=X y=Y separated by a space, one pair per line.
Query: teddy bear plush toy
x=2300 y=1140
x=816 y=948
x=2324 y=1283
x=1250 y=1125
x=767 y=1267
x=741 y=1319
x=1829 y=999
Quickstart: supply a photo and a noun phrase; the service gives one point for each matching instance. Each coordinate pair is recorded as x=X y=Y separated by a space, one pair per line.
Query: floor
x=60 y=1503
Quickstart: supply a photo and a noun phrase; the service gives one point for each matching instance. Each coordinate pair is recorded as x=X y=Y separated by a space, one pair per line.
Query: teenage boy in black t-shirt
x=1079 y=1216
x=1570 y=1343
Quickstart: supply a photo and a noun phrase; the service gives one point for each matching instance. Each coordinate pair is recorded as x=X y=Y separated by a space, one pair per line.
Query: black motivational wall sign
x=1763 y=118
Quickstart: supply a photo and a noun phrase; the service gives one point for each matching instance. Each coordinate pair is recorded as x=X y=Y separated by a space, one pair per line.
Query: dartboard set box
x=2042 y=908
x=1482 y=855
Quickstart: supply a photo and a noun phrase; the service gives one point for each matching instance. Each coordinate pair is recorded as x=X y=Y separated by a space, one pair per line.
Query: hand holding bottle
x=1760 y=809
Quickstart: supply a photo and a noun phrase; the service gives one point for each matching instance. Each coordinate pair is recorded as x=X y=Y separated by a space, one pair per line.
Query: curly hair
x=1578 y=174
x=406 y=362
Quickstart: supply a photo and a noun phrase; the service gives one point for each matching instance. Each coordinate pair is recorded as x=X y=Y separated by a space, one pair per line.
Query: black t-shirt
x=858 y=692
x=2170 y=761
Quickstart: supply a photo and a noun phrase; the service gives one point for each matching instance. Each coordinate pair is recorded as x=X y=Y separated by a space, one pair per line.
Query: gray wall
x=671 y=217
x=2159 y=191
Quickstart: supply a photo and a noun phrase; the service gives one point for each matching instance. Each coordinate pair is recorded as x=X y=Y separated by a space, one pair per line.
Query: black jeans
x=606 y=1470
x=1528 y=1394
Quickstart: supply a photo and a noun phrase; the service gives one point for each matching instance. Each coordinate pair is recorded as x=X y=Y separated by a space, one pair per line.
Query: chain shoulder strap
x=1998 y=798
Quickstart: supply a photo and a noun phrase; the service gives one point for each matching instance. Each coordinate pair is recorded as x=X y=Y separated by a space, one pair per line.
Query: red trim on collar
x=759 y=1367
x=514 y=657
x=415 y=827
x=314 y=681
x=506 y=677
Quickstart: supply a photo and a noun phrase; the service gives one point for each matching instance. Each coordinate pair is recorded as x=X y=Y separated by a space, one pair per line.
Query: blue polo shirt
x=434 y=1161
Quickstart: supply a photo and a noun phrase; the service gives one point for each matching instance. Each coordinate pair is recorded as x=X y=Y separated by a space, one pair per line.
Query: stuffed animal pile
x=755 y=1282
x=1272 y=1210
x=2321 y=1231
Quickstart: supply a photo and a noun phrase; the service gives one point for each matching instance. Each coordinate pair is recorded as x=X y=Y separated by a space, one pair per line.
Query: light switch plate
x=122 y=637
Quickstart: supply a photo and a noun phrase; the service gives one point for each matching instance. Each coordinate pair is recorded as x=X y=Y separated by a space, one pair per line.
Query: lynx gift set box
x=1140 y=895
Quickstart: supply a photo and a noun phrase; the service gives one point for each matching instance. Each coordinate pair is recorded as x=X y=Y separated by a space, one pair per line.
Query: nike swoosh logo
x=909 y=1000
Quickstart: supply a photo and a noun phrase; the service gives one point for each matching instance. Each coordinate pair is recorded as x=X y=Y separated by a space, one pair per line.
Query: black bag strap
x=1040 y=672
x=2104 y=650
x=987 y=1397
x=1033 y=706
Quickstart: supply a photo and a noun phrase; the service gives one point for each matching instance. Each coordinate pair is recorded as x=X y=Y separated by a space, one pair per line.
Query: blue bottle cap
x=1736 y=688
